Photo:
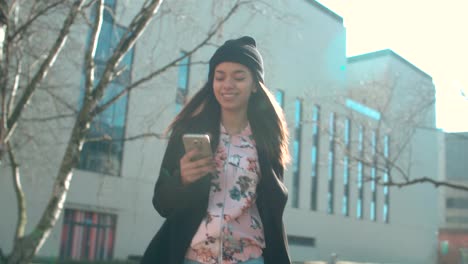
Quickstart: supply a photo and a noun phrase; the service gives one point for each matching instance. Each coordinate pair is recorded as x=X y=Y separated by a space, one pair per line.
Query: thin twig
x=20 y=197
x=28 y=23
x=89 y=57
x=49 y=118
x=427 y=180
x=132 y=138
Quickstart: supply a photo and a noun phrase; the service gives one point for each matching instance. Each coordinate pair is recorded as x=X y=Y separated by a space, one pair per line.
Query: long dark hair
x=265 y=116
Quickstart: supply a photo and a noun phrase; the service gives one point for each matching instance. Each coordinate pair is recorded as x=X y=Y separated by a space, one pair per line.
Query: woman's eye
x=239 y=79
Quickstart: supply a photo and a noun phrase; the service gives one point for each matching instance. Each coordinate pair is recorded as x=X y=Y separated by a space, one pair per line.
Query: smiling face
x=232 y=85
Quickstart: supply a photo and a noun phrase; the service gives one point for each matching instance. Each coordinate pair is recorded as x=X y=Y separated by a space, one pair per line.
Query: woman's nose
x=228 y=83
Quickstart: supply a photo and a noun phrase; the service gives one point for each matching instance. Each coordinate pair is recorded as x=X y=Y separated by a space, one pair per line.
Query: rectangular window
x=331 y=163
x=362 y=109
x=87 y=235
x=373 y=205
x=182 y=82
x=297 y=152
x=301 y=241
x=346 y=167
x=457 y=203
x=103 y=151
x=386 y=191
x=280 y=97
x=314 y=156
x=457 y=219
x=360 y=174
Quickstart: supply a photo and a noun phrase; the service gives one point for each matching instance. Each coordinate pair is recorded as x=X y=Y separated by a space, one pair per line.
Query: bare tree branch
x=28 y=23
x=20 y=197
x=132 y=138
x=89 y=58
x=49 y=118
x=27 y=247
x=11 y=99
x=4 y=65
x=427 y=180
x=43 y=70
x=173 y=63
x=61 y=101
x=127 y=41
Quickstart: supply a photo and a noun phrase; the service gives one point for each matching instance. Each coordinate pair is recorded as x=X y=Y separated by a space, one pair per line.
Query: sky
x=431 y=34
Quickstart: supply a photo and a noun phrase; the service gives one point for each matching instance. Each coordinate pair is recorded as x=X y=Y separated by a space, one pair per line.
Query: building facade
x=346 y=118
x=453 y=234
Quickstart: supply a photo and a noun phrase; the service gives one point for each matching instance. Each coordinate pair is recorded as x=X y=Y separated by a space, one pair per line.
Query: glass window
x=297 y=152
x=182 y=82
x=457 y=219
x=360 y=174
x=280 y=97
x=373 y=172
x=331 y=164
x=314 y=155
x=104 y=149
x=346 y=167
x=301 y=241
x=87 y=235
x=457 y=203
x=386 y=191
x=362 y=109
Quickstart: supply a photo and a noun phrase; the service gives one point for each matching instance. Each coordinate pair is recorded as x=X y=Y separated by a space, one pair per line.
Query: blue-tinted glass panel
x=101 y=154
x=386 y=147
x=296 y=155
x=315 y=119
x=386 y=176
x=109 y=10
x=359 y=207
x=297 y=152
x=345 y=171
x=280 y=97
x=314 y=155
x=104 y=45
x=385 y=213
x=298 y=113
x=331 y=164
x=346 y=132
x=182 y=82
x=362 y=109
x=346 y=167
x=314 y=159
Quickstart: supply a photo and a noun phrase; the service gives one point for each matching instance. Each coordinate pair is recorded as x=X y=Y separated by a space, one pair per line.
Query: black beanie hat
x=243 y=51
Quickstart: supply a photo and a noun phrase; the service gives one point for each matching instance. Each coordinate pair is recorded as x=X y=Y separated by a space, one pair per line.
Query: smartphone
x=201 y=142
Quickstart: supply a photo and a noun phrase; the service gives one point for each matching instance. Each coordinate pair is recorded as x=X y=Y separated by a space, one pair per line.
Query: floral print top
x=232 y=230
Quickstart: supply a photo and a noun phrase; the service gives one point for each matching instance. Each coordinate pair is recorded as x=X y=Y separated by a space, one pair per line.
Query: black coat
x=184 y=207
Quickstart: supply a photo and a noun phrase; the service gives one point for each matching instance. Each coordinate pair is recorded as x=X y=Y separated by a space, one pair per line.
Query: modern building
x=355 y=123
x=453 y=233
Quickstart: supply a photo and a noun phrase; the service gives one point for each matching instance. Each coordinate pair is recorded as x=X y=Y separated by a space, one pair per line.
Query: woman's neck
x=233 y=122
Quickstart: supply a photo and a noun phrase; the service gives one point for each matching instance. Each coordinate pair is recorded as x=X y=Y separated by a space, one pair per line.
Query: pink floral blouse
x=232 y=231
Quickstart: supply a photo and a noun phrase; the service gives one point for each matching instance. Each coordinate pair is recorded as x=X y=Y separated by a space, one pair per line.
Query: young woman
x=227 y=208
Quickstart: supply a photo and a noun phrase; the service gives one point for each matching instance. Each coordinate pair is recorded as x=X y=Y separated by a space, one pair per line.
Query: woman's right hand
x=192 y=170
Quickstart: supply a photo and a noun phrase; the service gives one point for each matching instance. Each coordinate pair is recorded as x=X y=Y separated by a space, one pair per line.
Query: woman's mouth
x=228 y=95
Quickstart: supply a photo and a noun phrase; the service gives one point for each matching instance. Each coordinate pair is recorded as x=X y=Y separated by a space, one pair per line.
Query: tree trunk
x=26 y=247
